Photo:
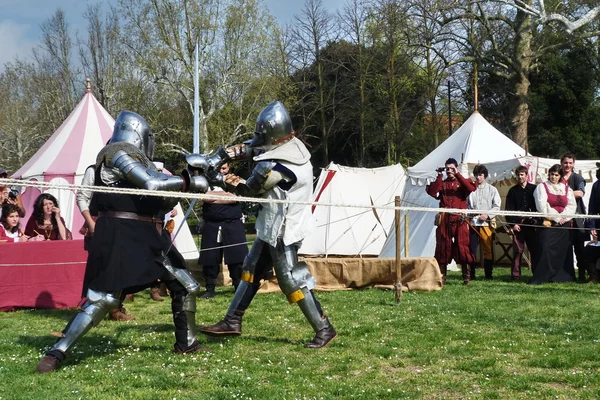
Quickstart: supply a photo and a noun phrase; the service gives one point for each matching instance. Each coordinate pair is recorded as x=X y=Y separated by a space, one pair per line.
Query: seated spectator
x=46 y=220
x=10 y=226
x=555 y=251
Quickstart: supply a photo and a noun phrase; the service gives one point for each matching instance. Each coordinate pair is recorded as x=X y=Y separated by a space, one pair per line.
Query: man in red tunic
x=452 y=193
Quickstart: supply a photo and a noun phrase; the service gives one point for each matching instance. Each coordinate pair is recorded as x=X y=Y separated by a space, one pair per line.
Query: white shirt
x=541 y=200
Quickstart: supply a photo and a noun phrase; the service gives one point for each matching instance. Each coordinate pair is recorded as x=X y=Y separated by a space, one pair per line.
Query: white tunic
x=293 y=222
x=485 y=197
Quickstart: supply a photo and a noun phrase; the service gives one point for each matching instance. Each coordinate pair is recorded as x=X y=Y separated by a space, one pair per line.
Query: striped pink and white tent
x=64 y=159
x=66 y=155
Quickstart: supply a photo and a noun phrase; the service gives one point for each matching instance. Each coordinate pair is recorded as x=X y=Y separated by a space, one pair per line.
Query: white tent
x=353 y=231
x=66 y=155
x=476 y=141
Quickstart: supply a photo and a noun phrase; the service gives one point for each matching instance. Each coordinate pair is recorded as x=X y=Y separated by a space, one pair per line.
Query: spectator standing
x=223 y=235
x=579 y=234
x=592 y=252
x=452 y=233
x=524 y=231
x=485 y=197
x=9 y=195
x=555 y=255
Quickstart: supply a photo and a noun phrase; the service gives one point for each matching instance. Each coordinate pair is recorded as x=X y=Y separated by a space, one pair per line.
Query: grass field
x=489 y=340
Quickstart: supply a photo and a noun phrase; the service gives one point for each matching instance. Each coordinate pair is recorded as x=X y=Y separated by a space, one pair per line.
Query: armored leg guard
x=183 y=276
x=183 y=307
x=307 y=304
x=324 y=330
x=93 y=311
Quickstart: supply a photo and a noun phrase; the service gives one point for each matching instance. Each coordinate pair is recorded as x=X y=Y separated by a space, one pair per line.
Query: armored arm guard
x=263 y=177
x=148 y=178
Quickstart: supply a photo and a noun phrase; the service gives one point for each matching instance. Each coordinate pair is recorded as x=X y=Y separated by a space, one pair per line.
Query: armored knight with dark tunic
x=129 y=252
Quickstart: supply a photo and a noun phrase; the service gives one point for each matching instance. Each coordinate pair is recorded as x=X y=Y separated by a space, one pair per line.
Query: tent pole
x=398 y=283
x=406 y=253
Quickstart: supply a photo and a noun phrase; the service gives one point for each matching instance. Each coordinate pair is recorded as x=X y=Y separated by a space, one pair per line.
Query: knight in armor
x=129 y=251
x=283 y=172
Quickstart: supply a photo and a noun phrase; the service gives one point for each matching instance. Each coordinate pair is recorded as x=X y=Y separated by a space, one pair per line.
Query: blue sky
x=20 y=20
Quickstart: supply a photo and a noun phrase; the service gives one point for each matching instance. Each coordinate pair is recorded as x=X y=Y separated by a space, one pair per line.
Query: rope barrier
x=204 y=196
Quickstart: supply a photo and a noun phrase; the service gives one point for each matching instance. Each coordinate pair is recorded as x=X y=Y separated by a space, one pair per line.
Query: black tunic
x=126 y=253
x=226 y=216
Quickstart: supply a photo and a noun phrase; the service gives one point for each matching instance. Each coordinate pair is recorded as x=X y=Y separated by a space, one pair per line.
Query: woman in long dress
x=555 y=260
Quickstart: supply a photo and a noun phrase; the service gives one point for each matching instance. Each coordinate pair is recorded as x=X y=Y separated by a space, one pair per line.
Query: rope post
x=398 y=283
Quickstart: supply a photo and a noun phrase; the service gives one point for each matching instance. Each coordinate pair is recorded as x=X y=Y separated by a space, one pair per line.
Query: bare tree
x=430 y=54
x=21 y=130
x=54 y=59
x=313 y=29
x=234 y=48
x=101 y=55
x=511 y=37
x=354 y=19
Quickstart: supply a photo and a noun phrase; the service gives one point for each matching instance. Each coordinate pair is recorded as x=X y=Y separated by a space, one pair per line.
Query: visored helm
x=273 y=127
x=132 y=128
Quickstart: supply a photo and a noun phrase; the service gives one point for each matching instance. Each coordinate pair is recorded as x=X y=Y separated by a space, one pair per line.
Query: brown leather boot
x=228 y=326
x=154 y=295
x=190 y=350
x=129 y=298
x=443 y=270
x=466 y=273
x=120 y=314
x=322 y=338
x=47 y=364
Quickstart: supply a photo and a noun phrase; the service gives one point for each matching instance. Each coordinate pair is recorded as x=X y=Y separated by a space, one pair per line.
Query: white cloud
x=14 y=41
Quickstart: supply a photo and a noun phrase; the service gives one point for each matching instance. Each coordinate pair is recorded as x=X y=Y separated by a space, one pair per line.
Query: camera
x=440 y=170
x=13 y=193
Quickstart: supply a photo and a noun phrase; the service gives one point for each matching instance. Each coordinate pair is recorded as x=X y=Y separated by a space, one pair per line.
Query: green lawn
x=489 y=340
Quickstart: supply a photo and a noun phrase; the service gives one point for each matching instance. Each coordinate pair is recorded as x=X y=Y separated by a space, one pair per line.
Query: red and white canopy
x=64 y=159
x=66 y=155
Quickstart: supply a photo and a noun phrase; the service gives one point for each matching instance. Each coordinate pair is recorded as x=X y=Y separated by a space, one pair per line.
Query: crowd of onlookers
x=44 y=223
x=551 y=240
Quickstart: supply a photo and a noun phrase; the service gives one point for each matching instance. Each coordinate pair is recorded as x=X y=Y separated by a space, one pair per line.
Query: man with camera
x=520 y=198
x=10 y=195
x=452 y=234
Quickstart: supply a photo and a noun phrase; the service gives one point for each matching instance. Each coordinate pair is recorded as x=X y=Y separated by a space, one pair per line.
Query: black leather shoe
x=209 y=294
x=322 y=338
x=47 y=364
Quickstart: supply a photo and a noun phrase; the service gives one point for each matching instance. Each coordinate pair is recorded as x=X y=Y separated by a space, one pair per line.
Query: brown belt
x=129 y=215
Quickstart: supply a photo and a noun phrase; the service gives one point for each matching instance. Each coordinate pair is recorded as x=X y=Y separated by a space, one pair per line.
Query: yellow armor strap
x=247 y=277
x=296 y=296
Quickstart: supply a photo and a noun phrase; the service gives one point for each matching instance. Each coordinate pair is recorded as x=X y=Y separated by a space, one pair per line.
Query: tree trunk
x=519 y=110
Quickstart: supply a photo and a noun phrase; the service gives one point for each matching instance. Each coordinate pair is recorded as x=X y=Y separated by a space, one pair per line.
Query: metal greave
x=311 y=312
x=93 y=311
